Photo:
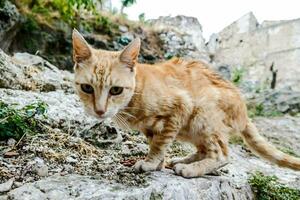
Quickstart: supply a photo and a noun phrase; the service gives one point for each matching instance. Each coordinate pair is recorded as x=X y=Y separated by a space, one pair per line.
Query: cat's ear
x=81 y=49
x=130 y=54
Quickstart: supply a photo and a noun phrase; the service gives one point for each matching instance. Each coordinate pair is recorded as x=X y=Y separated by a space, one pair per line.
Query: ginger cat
x=174 y=100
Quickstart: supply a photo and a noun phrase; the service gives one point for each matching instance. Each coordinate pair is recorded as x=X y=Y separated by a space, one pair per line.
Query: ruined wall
x=263 y=50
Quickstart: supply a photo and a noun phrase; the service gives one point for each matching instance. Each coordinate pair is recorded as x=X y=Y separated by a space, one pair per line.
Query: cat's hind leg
x=188 y=159
x=216 y=150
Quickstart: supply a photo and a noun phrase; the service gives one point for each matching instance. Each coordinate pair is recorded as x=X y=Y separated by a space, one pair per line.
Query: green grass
x=15 y=122
x=268 y=188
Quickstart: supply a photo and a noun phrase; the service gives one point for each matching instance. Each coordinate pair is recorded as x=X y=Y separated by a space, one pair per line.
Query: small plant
x=236 y=140
x=126 y=4
x=237 y=75
x=289 y=151
x=142 y=18
x=104 y=25
x=259 y=110
x=268 y=188
x=14 y=123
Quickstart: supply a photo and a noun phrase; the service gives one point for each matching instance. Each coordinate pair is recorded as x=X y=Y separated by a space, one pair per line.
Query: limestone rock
x=30 y=72
x=64 y=110
x=181 y=36
x=5 y=187
x=163 y=186
x=10 y=19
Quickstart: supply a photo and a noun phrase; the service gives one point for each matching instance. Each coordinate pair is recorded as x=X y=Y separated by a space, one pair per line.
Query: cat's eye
x=87 y=88
x=115 y=90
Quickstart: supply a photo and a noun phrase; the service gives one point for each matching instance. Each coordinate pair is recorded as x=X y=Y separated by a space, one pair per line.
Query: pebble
x=18 y=184
x=70 y=159
x=40 y=167
x=123 y=29
x=11 y=142
x=42 y=171
x=5 y=187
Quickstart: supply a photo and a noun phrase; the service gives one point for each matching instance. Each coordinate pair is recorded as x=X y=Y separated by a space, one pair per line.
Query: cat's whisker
x=134 y=108
x=117 y=121
x=122 y=122
x=125 y=123
x=129 y=115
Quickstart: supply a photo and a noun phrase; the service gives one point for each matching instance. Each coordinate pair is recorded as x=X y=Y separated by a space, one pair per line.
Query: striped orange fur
x=173 y=100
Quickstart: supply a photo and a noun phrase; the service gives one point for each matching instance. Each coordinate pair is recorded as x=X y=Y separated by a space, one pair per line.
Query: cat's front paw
x=145 y=166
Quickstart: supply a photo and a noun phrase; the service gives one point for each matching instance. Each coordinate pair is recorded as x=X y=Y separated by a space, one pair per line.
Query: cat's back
x=195 y=74
x=190 y=75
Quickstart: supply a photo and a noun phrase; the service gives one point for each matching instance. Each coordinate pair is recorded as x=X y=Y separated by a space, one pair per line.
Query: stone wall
x=264 y=51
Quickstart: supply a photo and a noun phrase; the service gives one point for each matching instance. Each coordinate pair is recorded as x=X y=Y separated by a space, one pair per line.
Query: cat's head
x=104 y=80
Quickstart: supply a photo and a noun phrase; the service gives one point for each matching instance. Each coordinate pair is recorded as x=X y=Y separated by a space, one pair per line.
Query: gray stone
x=71 y=159
x=281 y=131
x=6 y=186
x=29 y=192
x=283 y=100
x=64 y=110
x=3 y=197
x=30 y=72
x=181 y=36
x=10 y=19
x=42 y=170
x=11 y=142
x=232 y=184
x=123 y=29
x=163 y=185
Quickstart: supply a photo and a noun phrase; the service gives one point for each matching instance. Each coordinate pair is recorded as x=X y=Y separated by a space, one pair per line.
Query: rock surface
x=181 y=36
x=76 y=157
x=10 y=19
x=30 y=72
x=107 y=174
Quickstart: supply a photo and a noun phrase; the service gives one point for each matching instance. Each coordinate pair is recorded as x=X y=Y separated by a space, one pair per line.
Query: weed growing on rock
x=259 y=110
x=237 y=76
x=289 y=151
x=236 y=140
x=268 y=188
x=14 y=122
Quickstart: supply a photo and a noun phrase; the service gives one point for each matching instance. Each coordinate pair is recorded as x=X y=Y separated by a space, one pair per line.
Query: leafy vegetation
x=289 y=151
x=235 y=139
x=14 y=123
x=259 y=110
x=126 y=3
x=142 y=18
x=76 y=13
x=237 y=75
x=268 y=188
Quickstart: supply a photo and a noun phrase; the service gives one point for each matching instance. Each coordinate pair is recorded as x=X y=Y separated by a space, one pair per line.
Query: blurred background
x=43 y=128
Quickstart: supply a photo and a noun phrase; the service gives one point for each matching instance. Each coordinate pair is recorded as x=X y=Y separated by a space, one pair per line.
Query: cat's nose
x=100 y=112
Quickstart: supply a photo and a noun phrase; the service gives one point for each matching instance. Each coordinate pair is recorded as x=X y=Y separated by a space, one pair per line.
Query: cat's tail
x=262 y=148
